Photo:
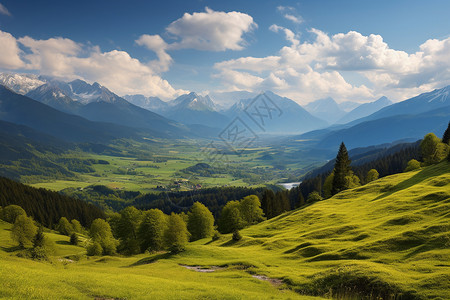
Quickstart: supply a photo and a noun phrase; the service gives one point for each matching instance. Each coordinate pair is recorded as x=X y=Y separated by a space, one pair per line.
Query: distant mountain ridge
x=438 y=98
x=326 y=109
x=293 y=119
x=364 y=110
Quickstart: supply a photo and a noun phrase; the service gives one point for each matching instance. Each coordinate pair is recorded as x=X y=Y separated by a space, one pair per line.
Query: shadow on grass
x=63 y=243
x=151 y=259
x=11 y=249
x=435 y=170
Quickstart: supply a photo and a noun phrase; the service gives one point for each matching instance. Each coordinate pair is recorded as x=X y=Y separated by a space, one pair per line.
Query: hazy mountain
x=348 y=106
x=364 y=110
x=224 y=100
x=287 y=118
x=439 y=98
x=55 y=97
x=407 y=127
x=326 y=109
x=151 y=103
x=22 y=110
x=21 y=83
x=195 y=109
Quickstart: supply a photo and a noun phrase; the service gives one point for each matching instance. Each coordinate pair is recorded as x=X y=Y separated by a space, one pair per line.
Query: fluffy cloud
x=211 y=30
x=10 y=52
x=67 y=59
x=311 y=70
x=156 y=44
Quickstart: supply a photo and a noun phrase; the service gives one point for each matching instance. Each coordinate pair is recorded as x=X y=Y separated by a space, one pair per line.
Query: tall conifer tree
x=446 y=136
x=341 y=169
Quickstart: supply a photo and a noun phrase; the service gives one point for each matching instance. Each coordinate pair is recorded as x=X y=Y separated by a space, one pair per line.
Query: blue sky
x=349 y=50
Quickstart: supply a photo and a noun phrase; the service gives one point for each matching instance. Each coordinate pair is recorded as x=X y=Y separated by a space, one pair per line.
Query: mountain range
x=77 y=111
x=408 y=120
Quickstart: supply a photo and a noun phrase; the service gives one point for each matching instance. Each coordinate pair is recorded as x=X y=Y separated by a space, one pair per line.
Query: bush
x=216 y=235
x=412 y=165
x=95 y=249
x=314 y=197
x=237 y=236
x=372 y=175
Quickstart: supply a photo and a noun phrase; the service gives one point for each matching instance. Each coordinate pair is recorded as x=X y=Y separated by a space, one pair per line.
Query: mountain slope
x=21 y=83
x=364 y=110
x=195 y=109
x=96 y=103
x=53 y=96
x=22 y=110
x=151 y=103
x=439 y=98
x=389 y=129
x=326 y=109
x=289 y=118
x=389 y=236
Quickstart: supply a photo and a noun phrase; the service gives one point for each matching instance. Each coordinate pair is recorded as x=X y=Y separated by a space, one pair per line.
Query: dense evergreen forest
x=47 y=207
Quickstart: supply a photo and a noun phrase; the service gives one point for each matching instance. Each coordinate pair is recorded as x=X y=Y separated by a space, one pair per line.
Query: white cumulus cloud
x=211 y=30
x=66 y=59
x=10 y=52
x=156 y=44
x=314 y=69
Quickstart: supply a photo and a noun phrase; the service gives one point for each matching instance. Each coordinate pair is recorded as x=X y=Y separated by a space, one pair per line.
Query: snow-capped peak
x=21 y=83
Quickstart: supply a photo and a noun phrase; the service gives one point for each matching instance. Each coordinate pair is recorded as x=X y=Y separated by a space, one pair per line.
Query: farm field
x=142 y=167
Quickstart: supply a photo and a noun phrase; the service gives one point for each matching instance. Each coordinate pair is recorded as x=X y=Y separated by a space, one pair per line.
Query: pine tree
x=301 y=199
x=341 y=170
x=446 y=136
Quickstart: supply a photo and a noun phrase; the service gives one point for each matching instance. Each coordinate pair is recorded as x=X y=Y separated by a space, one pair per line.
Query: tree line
x=47 y=207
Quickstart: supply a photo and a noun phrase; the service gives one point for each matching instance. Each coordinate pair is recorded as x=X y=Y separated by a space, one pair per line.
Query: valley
x=225 y=150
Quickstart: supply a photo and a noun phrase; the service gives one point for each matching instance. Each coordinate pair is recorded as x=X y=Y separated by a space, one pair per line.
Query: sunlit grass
x=391 y=235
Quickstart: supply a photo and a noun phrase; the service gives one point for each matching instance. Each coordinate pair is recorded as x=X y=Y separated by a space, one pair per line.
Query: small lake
x=290 y=185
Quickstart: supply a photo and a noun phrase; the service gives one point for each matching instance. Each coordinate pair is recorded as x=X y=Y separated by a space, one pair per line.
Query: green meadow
x=389 y=239
x=134 y=169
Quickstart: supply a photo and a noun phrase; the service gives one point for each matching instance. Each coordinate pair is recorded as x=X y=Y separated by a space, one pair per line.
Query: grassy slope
x=392 y=234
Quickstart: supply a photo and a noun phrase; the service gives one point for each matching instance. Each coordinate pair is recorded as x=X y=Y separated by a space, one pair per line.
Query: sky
x=304 y=50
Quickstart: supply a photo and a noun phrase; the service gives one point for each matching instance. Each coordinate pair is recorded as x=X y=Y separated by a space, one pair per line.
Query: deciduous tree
x=372 y=175
x=151 y=230
x=24 y=231
x=251 y=211
x=176 y=235
x=200 y=222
